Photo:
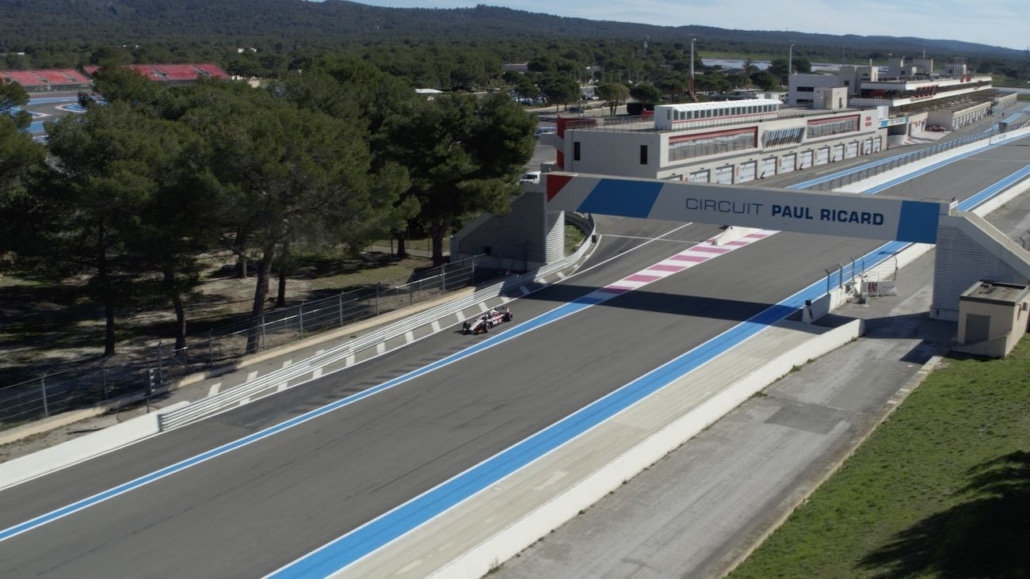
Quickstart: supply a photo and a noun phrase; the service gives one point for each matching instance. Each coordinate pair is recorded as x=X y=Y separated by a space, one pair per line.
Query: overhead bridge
x=969 y=249
x=842 y=214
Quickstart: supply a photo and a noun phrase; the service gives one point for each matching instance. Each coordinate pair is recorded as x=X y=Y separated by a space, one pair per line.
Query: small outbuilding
x=992 y=318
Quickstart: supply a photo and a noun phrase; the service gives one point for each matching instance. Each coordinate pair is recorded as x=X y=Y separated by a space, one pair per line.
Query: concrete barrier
x=51 y=459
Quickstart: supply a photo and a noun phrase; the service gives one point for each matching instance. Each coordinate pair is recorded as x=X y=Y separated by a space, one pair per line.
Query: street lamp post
x=692 y=66
x=790 y=65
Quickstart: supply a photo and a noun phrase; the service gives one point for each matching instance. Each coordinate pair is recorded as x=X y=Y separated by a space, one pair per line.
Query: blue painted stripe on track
x=51 y=100
x=978 y=198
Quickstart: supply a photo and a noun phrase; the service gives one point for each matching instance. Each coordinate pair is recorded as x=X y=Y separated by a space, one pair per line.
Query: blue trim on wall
x=626 y=198
x=918 y=222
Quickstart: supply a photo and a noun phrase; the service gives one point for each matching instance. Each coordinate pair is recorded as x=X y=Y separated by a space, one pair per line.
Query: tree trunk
x=437 y=231
x=106 y=293
x=241 y=266
x=108 y=323
x=241 y=255
x=264 y=271
x=180 y=310
x=402 y=252
x=280 y=299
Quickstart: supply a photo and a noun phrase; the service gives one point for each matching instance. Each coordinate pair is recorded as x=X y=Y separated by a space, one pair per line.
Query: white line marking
x=215 y=388
x=251 y=376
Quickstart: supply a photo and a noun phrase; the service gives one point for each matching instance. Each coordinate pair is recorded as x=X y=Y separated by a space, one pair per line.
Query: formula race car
x=483 y=323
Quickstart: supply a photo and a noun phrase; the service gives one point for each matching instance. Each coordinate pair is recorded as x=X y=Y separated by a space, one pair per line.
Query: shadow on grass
x=987 y=536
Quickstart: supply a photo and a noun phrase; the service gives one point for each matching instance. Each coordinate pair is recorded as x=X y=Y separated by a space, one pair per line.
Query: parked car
x=531 y=178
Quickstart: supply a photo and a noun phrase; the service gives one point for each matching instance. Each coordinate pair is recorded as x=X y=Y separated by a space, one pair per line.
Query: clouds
x=996 y=23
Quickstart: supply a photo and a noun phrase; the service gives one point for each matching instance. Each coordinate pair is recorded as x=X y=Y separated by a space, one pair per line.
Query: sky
x=993 y=22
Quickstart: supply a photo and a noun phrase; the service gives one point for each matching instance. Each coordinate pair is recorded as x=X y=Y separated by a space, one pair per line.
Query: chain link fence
x=156 y=364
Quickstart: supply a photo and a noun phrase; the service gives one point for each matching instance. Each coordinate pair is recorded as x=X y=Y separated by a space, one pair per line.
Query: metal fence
x=151 y=365
x=876 y=168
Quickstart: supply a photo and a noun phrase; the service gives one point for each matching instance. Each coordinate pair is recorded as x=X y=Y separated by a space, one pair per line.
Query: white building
x=913 y=94
x=719 y=142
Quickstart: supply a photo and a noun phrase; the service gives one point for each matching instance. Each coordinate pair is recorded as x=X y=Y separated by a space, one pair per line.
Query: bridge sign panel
x=841 y=214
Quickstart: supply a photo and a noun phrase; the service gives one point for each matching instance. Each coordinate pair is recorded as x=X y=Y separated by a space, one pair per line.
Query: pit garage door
x=700 y=176
x=788 y=162
x=877 y=144
x=768 y=168
x=724 y=175
x=747 y=171
x=867 y=146
x=805 y=161
x=822 y=156
x=851 y=151
x=838 y=152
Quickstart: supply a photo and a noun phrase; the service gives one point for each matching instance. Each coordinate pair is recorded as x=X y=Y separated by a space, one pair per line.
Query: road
x=259 y=507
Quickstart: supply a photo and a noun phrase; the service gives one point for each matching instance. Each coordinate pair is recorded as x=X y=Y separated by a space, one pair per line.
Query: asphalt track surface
x=251 y=511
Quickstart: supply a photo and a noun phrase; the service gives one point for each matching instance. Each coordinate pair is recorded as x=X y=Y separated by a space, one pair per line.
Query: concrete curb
x=66 y=418
x=28 y=467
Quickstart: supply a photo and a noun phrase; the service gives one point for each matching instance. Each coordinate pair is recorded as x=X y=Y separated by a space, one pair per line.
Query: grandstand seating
x=176 y=72
x=63 y=77
x=173 y=73
x=212 y=70
x=26 y=78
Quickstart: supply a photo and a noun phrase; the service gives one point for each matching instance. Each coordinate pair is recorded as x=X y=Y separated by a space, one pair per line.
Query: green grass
x=573 y=238
x=941 y=489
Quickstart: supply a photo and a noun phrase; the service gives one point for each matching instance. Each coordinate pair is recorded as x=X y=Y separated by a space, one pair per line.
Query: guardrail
x=225 y=400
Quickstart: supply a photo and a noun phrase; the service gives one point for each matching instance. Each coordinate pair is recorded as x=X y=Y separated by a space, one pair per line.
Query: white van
x=545 y=131
x=531 y=178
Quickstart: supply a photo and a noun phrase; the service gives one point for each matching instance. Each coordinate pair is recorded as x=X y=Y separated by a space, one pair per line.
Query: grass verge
x=941 y=489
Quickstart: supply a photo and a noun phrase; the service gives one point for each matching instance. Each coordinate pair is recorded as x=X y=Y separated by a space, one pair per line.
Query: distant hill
x=25 y=23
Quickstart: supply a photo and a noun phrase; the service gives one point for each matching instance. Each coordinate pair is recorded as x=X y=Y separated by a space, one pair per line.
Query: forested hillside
x=49 y=25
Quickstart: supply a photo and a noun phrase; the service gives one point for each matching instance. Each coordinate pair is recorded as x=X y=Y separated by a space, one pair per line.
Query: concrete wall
x=969 y=250
x=520 y=236
x=48 y=460
x=614 y=152
x=1007 y=326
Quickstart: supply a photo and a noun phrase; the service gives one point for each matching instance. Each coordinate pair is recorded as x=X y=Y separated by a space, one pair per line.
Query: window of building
x=830 y=127
x=575 y=150
x=643 y=154
x=806 y=89
x=780 y=137
x=689 y=147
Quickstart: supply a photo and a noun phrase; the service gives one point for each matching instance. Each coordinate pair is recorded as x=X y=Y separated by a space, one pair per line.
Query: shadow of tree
x=986 y=536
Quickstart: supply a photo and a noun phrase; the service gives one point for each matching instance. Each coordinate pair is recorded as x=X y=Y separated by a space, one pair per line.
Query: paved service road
x=255 y=509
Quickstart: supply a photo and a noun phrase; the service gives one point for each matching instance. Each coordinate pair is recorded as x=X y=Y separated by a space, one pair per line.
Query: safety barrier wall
x=230 y=398
x=30 y=466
